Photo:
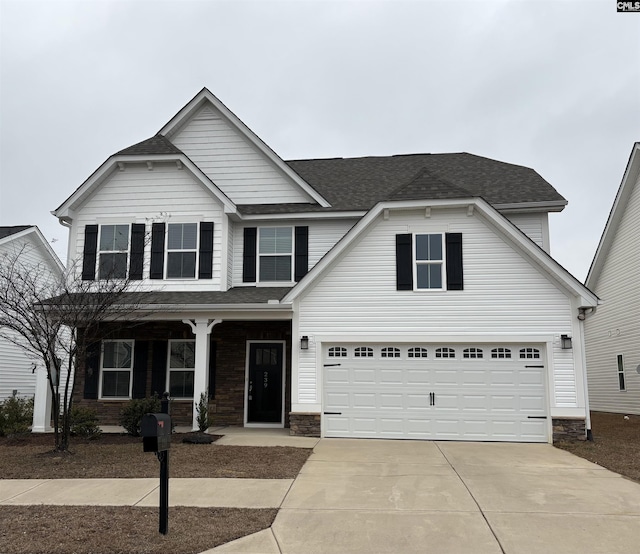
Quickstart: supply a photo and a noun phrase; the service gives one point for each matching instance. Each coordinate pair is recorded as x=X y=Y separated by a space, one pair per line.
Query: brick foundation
x=304 y=425
x=569 y=430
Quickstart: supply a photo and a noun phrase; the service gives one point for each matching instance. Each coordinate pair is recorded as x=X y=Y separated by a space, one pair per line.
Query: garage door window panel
x=472 y=353
x=500 y=353
x=418 y=352
x=529 y=354
x=445 y=353
x=363 y=352
x=337 y=352
x=390 y=352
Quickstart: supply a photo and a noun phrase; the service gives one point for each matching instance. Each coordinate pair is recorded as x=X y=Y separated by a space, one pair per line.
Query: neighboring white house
x=408 y=296
x=613 y=332
x=20 y=372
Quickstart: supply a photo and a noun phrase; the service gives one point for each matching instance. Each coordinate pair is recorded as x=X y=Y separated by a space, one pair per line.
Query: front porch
x=245 y=367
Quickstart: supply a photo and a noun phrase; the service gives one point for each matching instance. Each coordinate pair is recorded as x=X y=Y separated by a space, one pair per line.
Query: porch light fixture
x=565 y=340
x=304 y=342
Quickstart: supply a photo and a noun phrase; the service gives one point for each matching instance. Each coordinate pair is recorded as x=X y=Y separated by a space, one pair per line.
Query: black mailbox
x=156 y=432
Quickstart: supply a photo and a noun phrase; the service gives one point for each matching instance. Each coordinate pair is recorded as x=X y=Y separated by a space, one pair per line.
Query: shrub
x=16 y=415
x=202 y=409
x=131 y=414
x=84 y=423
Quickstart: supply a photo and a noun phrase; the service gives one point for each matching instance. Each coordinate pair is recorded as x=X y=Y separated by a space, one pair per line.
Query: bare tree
x=55 y=318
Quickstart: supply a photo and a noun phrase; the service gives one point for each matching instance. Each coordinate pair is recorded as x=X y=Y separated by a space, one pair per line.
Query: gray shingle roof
x=8 y=231
x=359 y=183
x=237 y=295
x=157 y=144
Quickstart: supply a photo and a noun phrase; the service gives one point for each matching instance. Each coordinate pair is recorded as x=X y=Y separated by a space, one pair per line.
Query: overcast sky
x=552 y=85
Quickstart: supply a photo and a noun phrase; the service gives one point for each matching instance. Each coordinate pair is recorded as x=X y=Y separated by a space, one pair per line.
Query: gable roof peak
x=157 y=144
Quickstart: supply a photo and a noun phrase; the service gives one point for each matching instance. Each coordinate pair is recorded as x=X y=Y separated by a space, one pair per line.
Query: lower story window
x=621 y=383
x=116 y=368
x=182 y=364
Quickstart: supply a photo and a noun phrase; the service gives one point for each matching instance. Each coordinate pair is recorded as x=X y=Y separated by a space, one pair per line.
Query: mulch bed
x=615 y=445
x=120 y=530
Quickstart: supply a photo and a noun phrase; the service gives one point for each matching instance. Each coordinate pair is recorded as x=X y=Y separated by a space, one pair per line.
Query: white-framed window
x=500 y=353
x=182 y=250
x=116 y=369
x=529 y=354
x=472 y=353
x=417 y=352
x=429 y=267
x=390 y=352
x=113 y=251
x=363 y=352
x=182 y=365
x=445 y=353
x=620 y=364
x=275 y=254
x=337 y=352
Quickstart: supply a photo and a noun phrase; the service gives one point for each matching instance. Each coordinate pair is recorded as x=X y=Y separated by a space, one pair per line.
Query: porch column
x=201 y=328
x=42 y=403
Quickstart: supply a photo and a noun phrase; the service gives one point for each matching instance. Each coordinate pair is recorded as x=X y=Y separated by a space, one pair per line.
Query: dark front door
x=265 y=383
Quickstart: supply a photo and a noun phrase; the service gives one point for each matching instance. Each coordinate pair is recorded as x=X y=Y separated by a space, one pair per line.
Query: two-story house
x=407 y=296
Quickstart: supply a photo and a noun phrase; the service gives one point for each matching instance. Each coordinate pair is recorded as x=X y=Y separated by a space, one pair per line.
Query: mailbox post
x=156 y=437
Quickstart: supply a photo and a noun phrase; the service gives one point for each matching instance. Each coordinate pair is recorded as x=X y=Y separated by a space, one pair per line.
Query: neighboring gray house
x=613 y=332
x=18 y=371
x=408 y=296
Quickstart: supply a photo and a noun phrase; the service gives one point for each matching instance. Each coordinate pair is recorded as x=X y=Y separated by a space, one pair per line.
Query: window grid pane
x=276 y=240
x=183 y=355
x=275 y=268
x=115 y=384
x=181 y=265
x=181 y=384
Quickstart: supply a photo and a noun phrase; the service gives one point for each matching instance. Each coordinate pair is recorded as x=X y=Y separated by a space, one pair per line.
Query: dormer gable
x=234 y=157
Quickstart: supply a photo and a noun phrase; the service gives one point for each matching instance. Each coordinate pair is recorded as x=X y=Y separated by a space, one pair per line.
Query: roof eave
x=629 y=179
x=526 y=207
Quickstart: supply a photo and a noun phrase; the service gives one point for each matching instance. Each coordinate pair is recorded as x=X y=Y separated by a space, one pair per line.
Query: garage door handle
x=331 y=365
x=537 y=417
x=332 y=413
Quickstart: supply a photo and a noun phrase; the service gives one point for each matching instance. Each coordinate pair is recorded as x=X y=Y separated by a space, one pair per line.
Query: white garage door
x=474 y=392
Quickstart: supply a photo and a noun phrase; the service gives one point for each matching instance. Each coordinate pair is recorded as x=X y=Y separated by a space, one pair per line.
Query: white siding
x=615 y=327
x=15 y=364
x=323 y=235
x=236 y=166
x=535 y=226
x=504 y=295
x=164 y=194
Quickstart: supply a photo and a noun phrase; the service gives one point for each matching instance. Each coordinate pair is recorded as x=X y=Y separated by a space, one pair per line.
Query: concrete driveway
x=379 y=496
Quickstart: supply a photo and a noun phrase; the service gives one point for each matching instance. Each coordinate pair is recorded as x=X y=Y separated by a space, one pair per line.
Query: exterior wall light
x=304 y=342
x=565 y=340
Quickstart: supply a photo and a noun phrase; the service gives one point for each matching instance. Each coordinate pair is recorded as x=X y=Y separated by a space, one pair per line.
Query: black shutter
x=157 y=251
x=90 y=253
x=137 y=251
x=212 y=369
x=404 y=262
x=92 y=371
x=141 y=349
x=249 y=255
x=205 y=270
x=302 y=252
x=159 y=367
x=455 y=279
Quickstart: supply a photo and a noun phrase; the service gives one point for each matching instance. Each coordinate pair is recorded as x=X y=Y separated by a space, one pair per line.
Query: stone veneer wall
x=227 y=405
x=569 y=429
x=304 y=425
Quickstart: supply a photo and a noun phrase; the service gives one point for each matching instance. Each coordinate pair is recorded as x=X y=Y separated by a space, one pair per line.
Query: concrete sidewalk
x=222 y=493
x=374 y=496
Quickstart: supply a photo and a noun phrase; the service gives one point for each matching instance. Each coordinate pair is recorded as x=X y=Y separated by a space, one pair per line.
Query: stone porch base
x=304 y=424
x=569 y=430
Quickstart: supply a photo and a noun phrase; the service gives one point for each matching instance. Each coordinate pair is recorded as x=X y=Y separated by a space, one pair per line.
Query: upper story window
x=272 y=254
x=182 y=247
x=116 y=368
x=429 y=258
x=275 y=253
x=182 y=364
x=113 y=255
